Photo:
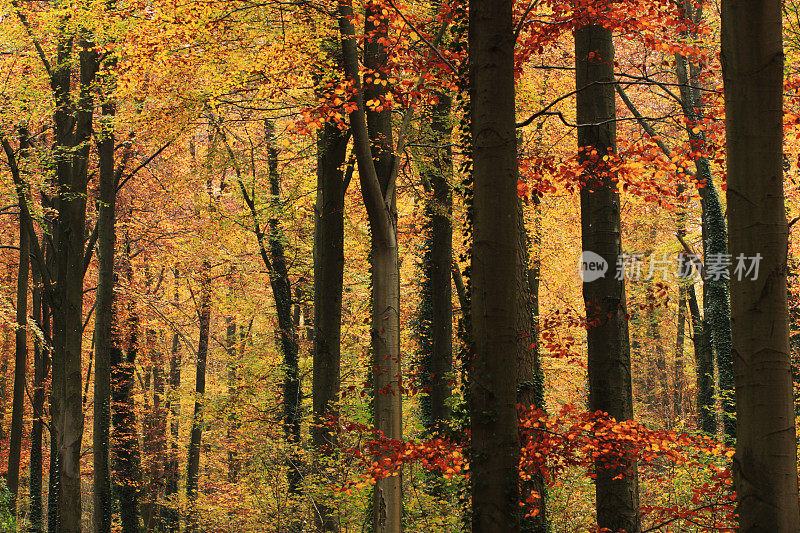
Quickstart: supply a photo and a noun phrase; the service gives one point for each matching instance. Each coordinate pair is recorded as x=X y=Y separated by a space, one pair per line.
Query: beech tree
x=765 y=464
x=495 y=263
x=608 y=345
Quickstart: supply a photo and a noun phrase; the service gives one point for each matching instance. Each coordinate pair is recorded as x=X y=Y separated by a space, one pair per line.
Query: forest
x=350 y=266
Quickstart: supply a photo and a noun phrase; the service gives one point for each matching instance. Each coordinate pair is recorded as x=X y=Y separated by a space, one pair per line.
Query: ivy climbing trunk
x=495 y=445
x=436 y=308
x=287 y=331
x=765 y=464
x=609 y=361
x=716 y=305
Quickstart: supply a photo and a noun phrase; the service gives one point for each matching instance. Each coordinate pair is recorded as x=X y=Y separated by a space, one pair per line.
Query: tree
x=493 y=392
x=609 y=360
x=104 y=323
x=372 y=145
x=328 y=283
x=21 y=341
x=193 y=461
x=436 y=305
x=765 y=471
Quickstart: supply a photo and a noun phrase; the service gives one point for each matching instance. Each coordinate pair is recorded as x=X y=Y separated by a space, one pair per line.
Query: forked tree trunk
x=609 y=361
x=495 y=445
x=765 y=464
x=372 y=146
x=385 y=332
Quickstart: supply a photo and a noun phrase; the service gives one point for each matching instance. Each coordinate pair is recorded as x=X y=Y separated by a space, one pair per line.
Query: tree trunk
x=126 y=470
x=73 y=126
x=172 y=406
x=40 y=370
x=495 y=445
x=609 y=363
x=21 y=355
x=328 y=280
x=716 y=306
x=104 y=322
x=436 y=315
x=193 y=462
x=282 y=292
x=385 y=332
x=378 y=192
x=155 y=434
x=231 y=342
x=765 y=464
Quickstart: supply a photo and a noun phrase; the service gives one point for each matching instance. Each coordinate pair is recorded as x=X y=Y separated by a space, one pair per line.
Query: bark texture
x=609 y=361
x=328 y=284
x=765 y=464
x=495 y=270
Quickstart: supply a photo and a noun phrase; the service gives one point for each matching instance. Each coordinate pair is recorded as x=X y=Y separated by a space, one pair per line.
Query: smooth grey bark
x=765 y=463
x=378 y=193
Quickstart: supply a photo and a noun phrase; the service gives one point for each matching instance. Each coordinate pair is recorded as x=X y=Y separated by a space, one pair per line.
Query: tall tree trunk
x=155 y=433
x=385 y=332
x=765 y=464
x=495 y=445
x=530 y=380
x=609 y=363
x=715 y=236
x=282 y=292
x=72 y=136
x=40 y=370
x=370 y=144
x=193 y=462
x=679 y=378
x=328 y=283
x=126 y=469
x=172 y=406
x=104 y=322
x=21 y=353
x=437 y=265
x=231 y=342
